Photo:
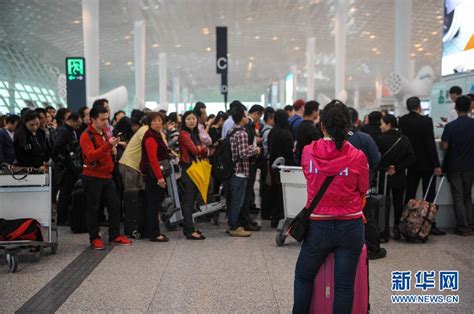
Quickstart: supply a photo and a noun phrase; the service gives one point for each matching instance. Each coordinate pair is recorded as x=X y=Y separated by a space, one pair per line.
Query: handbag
x=165 y=167
x=299 y=224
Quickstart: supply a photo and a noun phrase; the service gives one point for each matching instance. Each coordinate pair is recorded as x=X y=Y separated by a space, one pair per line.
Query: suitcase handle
x=429 y=186
x=385 y=182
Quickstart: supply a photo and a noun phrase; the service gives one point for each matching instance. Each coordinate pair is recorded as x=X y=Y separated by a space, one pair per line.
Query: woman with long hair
x=190 y=148
x=155 y=150
x=336 y=224
x=280 y=144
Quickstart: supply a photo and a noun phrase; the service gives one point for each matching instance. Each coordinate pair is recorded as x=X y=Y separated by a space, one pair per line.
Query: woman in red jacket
x=190 y=148
x=155 y=149
x=336 y=223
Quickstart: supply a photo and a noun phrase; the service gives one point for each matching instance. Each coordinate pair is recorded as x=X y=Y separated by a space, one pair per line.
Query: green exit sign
x=75 y=69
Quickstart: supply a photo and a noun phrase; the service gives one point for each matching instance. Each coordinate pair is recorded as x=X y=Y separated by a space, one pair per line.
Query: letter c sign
x=222 y=63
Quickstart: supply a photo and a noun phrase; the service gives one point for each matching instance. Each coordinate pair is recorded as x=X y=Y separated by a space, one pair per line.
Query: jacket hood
x=329 y=159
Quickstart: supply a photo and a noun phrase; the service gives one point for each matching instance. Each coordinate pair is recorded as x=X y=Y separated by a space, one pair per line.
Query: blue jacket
x=7 y=149
x=366 y=144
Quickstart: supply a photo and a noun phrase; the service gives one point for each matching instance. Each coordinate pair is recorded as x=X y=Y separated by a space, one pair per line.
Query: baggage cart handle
x=429 y=186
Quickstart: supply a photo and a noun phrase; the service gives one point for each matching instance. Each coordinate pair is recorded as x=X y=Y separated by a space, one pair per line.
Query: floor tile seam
x=163 y=272
x=267 y=271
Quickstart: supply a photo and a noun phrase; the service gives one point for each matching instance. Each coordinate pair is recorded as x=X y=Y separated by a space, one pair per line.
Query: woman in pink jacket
x=336 y=224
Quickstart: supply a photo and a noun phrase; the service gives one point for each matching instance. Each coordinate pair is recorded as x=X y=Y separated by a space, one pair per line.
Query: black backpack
x=221 y=161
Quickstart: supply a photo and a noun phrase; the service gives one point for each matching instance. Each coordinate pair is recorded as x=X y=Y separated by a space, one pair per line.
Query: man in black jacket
x=67 y=157
x=419 y=130
x=7 y=148
x=307 y=131
x=373 y=128
x=366 y=144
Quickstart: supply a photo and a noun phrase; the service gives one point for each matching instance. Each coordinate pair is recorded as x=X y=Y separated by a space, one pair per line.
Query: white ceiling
x=52 y=29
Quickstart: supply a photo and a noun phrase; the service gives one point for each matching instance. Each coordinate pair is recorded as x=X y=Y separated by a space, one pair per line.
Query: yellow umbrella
x=200 y=173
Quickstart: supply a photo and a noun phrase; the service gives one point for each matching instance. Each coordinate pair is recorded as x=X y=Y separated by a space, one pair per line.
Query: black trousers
x=249 y=199
x=413 y=180
x=155 y=195
x=97 y=190
x=189 y=200
x=372 y=232
x=276 y=192
x=397 y=201
x=68 y=180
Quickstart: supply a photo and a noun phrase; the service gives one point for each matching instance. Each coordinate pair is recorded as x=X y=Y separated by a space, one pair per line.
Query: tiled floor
x=222 y=275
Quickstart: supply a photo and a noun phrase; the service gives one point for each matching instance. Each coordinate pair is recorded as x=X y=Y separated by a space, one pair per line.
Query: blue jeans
x=237 y=187
x=343 y=237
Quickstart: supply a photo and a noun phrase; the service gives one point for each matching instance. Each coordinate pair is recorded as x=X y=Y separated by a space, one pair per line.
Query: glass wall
x=26 y=82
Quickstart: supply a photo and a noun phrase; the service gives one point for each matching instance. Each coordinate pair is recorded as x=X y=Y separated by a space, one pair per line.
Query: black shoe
x=191 y=237
x=157 y=239
x=437 y=232
x=252 y=227
x=384 y=237
x=265 y=217
x=274 y=223
x=396 y=233
x=463 y=233
x=376 y=255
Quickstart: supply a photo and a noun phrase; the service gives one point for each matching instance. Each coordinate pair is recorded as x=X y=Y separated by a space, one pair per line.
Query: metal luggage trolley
x=294 y=198
x=171 y=215
x=27 y=196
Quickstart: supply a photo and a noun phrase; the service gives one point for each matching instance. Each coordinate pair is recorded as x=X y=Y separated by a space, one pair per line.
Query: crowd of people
x=115 y=154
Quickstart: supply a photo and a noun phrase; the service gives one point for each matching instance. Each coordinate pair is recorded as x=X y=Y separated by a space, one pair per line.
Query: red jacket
x=98 y=159
x=343 y=198
x=188 y=150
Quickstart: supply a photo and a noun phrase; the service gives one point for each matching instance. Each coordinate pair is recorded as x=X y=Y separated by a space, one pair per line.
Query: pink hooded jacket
x=343 y=198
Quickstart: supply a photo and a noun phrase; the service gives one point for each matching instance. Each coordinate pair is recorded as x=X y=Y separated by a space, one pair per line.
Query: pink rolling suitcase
x=323 y=292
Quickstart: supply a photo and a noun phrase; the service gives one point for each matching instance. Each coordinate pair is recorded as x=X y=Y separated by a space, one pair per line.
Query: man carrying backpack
x=241 y=151
x=97 y=149
x=67 y=156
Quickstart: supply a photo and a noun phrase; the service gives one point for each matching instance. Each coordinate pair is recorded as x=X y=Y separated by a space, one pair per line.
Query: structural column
x=163 y=80
x=281 y=93
x=139 y=37
x=291 y=98
x=274 y=89
x=340 y=31
x=310 y=55
x=90 y=27
x=403 y=11
x=176 y=93
x=403 y=66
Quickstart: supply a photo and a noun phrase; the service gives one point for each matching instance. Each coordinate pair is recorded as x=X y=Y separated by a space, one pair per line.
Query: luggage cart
x=294 y=198
x=171 y=215
x=27 y=196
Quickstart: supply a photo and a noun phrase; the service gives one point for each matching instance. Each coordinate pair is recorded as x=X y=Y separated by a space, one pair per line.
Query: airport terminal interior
x=236 y=156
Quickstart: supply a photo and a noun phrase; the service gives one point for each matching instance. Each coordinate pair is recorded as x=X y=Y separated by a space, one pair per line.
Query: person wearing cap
x=297 y=118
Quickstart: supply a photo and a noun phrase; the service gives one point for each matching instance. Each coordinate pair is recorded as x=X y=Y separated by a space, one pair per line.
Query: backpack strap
x=94 y=143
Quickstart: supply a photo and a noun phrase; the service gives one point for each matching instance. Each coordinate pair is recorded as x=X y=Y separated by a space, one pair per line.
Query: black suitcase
x=382 y=203
x=77 y=214
x=134 y=209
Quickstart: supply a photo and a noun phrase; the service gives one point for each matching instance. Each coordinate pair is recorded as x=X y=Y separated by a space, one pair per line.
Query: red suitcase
x=323 y=292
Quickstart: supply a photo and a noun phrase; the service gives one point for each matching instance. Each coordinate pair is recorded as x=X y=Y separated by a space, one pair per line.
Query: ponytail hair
x=335 y=119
